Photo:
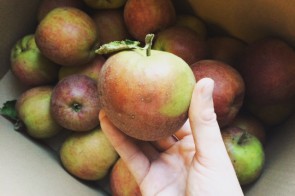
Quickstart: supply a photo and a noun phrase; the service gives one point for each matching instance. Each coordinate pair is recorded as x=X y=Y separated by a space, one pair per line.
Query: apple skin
x=122 y=182
x=146 y=97
x=246 y=153
x=192 y=22
x=182 y=42
x=30 y=66
x=67 y=36
x=251 y=124
x=110 y=25
x=88 y=155
x=267 y=67
x=105 y=4
x=226 y=49
x=91 y=69
x=33 y=109
x=143 y=17
x=229 y=89
x=75 y=103
x=45 y=6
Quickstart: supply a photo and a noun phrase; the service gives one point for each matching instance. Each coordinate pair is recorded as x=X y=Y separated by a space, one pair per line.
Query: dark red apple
x=67 y=36
x=122 y=182
x=182 y=42
x=144 y=17
x=267 y=67
x=229 y=89
x=75 y=103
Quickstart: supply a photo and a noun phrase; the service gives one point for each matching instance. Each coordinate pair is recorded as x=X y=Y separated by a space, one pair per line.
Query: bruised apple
x=146 y=93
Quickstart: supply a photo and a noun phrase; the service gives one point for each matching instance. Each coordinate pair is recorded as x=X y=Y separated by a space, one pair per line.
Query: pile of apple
x=69 y=82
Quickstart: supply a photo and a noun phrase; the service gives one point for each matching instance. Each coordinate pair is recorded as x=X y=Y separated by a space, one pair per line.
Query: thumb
x=205 y=129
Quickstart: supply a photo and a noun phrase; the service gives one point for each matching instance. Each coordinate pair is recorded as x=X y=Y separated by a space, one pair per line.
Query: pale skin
x=192 y=162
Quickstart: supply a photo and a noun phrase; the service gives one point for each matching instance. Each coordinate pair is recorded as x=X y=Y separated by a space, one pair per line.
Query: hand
x=193 y=161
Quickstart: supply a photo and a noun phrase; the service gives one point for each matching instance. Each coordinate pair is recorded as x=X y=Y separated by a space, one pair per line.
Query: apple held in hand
x=88 y=155
x=146 y=93
x=75 y=103
x=67 y=36
x=33 y=109
x=246 y=153
x=229 y=89
x=30 y=66
x=122 y=182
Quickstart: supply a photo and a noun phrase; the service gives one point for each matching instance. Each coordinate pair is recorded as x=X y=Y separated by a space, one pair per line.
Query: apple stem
x=244 y=138
x=148 y=43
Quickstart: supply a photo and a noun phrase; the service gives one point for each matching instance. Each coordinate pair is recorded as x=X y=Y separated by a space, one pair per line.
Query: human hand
x=193 y=161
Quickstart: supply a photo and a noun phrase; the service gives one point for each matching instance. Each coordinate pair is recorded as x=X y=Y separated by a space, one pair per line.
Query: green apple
x=33 y=109
x=246 y=153
x=29 y=65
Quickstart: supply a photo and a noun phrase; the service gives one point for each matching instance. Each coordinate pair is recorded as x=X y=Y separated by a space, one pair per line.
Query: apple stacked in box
x=71 y=72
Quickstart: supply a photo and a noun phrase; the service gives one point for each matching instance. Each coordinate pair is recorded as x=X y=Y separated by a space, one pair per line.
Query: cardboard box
x=30 y=167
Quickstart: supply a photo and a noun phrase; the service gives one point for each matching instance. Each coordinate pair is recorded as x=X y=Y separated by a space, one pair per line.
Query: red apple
x=246 y=153
x=146 y=93
x=88 y=155
x=105 y=4
x=122 y=182
x=144 y=17
x=182 y=42
x=46 y=6
x=110 y=25
x=75 y=103
x=90 y=69
x=267 y=67
x=67 y=36
x=229 y=89
x=30 y=66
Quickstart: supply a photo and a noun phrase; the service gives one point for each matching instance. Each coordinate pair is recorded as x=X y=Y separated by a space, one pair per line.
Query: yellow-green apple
x=122 y=181
x=251 y=124
x=267 y=67
x=226 y=49
x=246 y=153
x=75 y=103
x=45 y=6
x=90 y=69
x=67 y=36
x=30 y=66
x=110 y=25
x=193 y=22
x=144 y=17
x=33 y=109
x=182 y=42
x=229 y=89
x=88 y=155
x=146 y=93
x=105 y=4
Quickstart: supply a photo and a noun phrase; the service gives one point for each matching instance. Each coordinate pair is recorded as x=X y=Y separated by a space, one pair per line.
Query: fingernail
x=101 y=115
x=207 y=88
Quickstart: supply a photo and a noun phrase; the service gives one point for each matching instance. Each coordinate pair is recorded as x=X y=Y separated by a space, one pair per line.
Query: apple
x=226 y=49
x=251 y=124
x=192 y=22
x=105 y=4
x=110 y=25
x=75 y=103
x=29 y=65
x=90 y=69
x=182 y=42
x=146 y=93
x=267 y=67
x=45 y=6
x=88 y=155
x=246 y=153
x=33 y=109
x=122 y=182
x=144 y=17
x=229 y=89
x=67 y=36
